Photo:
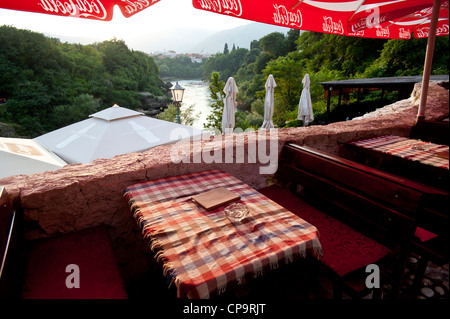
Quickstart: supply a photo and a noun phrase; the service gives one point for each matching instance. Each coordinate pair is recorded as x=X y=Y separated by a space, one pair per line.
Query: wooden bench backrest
x=431 y=131
x=379 y=200
x=6 y=222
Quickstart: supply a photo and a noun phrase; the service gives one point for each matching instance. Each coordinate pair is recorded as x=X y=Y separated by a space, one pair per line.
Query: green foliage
x=187 y=116
x=348 y=54
x=287 y=71
x=79 y=109
x=180 y=67
x=274 y=44
x=49 y=84
x=247 y=66
x=226 y=64
x=253 y=119
x=225 y=49
x=325 y=57
x=214 y=119
x=403 y=58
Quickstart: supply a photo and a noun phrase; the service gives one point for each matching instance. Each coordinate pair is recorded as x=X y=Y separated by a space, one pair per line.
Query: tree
x=81 y=107
x=335 y=52
x=49 y=84
x=274 y=44
x=288 y=72
x=291 y=40
x=406 y=57
x=187 y=116
x=225 y=49
x=225 y=64
x=214 y=120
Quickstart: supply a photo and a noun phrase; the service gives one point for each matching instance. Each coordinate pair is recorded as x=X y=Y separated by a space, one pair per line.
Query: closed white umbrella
x=268 y=103
x=305 y=111
x=228 y=117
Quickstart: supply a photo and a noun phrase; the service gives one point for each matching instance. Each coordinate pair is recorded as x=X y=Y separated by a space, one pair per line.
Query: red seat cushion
x=90 y=249
x=344 y=249
x=424 y=235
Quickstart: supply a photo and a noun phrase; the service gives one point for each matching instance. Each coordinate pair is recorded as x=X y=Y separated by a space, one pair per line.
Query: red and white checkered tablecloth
x=415 y=150
x=202 y=251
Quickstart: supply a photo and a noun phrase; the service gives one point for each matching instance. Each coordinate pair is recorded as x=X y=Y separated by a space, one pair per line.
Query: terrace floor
x=287 y=284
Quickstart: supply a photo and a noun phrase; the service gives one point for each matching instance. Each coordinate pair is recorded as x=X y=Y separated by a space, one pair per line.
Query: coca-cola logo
x=285 y=17
x=382 y=32
x=90 y=8
x=425 y=31
x=404 y=34
x=75 y=8
x=422 y=32
x=356 y=34
x=230 y=7
x=133 y=6
x=373 y=19
x=442 y=30
x=331 y=26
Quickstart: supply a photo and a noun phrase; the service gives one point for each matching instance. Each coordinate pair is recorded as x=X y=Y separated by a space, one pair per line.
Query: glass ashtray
x=236 y=211
x=422 y=147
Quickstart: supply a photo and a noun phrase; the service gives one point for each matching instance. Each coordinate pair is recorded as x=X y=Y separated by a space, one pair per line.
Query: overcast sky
x=165 y=15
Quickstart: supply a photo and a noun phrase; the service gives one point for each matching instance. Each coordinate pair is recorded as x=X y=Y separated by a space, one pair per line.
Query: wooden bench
x=364 y=215
x=78 y=265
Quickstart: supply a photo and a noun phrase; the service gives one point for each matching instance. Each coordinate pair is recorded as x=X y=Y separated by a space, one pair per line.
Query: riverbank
x=197 y=93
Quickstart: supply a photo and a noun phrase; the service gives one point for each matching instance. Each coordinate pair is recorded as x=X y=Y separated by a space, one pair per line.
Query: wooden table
x=204 y=251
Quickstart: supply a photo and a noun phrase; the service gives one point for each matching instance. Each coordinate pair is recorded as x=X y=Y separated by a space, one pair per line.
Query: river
x=196 y=93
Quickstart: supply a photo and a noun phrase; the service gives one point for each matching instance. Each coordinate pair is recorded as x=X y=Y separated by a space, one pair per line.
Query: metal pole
x=328 y=103
x=177 y=104
x=428 y=60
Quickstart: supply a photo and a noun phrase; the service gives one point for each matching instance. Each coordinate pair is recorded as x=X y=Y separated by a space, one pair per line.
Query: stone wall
x=83 y=195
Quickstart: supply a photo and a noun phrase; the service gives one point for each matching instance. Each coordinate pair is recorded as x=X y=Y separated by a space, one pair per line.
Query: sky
x=163 y=17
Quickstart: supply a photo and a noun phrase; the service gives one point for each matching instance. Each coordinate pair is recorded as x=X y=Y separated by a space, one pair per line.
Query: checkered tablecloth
x=415 y=150
x=203 y=251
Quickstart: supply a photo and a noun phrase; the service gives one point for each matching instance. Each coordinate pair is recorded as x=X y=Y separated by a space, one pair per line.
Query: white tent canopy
x=110 y=132
x=24 y=156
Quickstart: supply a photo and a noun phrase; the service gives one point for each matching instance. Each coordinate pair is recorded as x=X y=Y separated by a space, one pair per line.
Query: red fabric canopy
x=392 y=19
x=88 y=9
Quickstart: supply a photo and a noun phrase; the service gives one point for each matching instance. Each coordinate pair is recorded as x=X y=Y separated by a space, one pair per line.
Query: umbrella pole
x=428 y=60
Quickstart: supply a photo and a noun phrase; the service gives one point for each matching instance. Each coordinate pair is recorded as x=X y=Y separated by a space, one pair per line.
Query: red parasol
x=392 y=19
x=389 y=19
x=88 y=9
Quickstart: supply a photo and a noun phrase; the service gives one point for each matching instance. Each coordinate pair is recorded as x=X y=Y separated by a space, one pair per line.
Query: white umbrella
x=268 y=103
x=24 y=156
x=305 y=111
x=110 y=132
x=228 y=117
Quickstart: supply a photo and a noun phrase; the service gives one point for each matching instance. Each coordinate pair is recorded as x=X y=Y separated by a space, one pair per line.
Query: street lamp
x=177 y=96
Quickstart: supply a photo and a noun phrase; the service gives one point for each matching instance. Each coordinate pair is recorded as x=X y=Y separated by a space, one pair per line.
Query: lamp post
x=177 y=96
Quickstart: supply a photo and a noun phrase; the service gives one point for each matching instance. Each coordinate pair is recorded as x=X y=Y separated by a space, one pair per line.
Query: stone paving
x=434 y=284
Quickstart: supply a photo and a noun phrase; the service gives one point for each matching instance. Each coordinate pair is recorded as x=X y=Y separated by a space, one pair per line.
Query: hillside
x=188 y=40
x=240 y=36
